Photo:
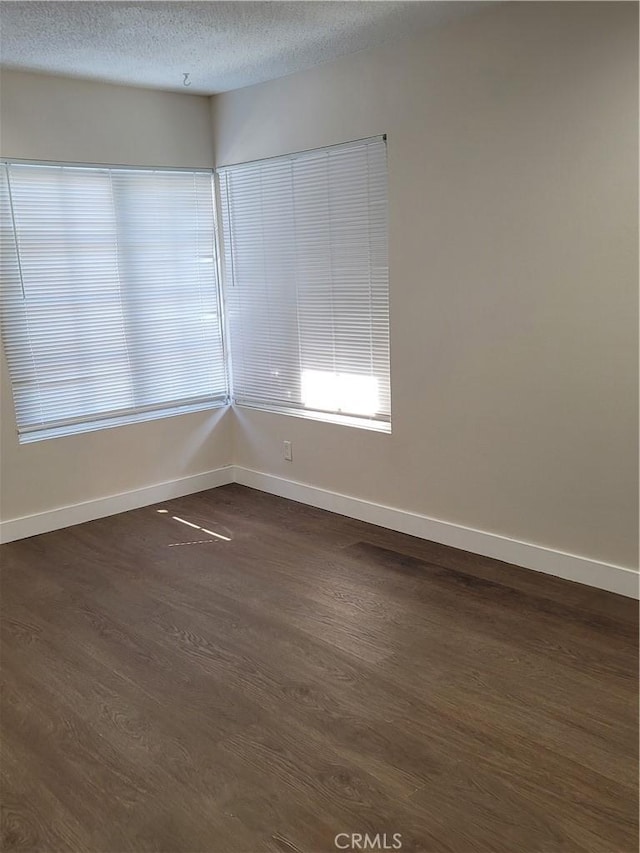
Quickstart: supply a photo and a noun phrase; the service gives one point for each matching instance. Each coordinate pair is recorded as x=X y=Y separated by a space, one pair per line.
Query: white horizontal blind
x=110 y=309
x=306 y=280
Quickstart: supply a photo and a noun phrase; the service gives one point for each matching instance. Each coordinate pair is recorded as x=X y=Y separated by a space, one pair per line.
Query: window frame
x=146 y=412
x=376 y=423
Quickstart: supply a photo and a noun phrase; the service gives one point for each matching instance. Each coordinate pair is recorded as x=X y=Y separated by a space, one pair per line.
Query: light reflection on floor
x=217 y=536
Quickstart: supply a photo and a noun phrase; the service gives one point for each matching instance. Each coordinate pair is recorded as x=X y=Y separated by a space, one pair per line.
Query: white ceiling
x=222 y=45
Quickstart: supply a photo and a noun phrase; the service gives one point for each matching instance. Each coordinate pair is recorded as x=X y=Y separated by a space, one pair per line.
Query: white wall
x=50 y=118
x=513 y=254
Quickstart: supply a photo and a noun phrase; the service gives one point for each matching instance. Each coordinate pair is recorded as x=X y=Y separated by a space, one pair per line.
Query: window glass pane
x=110 y=302
x=306 y=275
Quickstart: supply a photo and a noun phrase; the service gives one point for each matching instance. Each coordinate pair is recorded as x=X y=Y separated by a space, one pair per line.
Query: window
x=110 y=297
x=306 y=282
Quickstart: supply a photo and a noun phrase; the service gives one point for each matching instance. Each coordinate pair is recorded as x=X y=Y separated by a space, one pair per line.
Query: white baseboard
x=619 y=579
x=66 y=516
x=571 y=567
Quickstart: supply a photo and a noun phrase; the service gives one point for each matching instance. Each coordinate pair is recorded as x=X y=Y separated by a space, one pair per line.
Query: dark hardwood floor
x=308 y=675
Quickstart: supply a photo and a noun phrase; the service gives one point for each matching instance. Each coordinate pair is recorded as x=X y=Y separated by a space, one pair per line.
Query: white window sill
x=28 y=437
x=325 y=417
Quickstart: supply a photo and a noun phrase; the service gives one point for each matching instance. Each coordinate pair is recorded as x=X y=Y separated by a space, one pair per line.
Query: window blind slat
x=306 y=280
x=110 y=309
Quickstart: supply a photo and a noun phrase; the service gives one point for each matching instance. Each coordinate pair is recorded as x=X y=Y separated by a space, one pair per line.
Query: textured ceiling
x=222 y=45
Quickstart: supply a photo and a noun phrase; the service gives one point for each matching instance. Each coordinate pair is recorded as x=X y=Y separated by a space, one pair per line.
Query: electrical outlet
x=288 y=451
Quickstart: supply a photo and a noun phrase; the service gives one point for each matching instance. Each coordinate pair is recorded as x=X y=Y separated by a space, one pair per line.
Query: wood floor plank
x=165 y=689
